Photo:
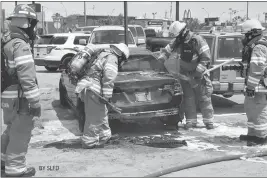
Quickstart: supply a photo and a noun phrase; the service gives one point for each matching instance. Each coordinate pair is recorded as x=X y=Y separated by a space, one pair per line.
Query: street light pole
x=126 y=22
x=247 y=10
x=84 y=14
x=208 y=15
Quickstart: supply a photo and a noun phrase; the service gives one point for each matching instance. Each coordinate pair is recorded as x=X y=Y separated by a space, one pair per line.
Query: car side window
x=77 y=38
x=140 y=31
x=59 y=40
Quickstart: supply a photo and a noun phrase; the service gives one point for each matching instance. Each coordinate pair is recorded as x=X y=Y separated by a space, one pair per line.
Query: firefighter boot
x=30 y=171
x=257 y=141
x=189 y=126
x=246 y=137
x=209 y=126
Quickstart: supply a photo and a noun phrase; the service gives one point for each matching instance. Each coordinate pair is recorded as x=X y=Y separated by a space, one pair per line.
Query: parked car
x=143 y=90
x=223 y=46
x=150 y=32
x=103 y=36
x=51 y=55
x=86 y=29
x=138 y=34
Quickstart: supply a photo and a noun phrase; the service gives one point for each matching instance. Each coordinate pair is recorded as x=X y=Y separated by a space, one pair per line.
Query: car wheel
x=51 y=69
x=171 y=120
x=62 y=95
x=81 y=114
x=66 y=60
x=227 y=96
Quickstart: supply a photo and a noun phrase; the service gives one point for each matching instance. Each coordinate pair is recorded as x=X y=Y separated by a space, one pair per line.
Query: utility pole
x=126 y=22
x=177 y=10
x=247 y=10
x=43 y=19
x=84 y=14
x=16 y=3
x=33 y=2
x=171 y=12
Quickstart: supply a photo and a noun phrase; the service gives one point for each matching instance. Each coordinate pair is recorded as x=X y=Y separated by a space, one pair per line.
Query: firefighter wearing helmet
x=19 y=91
x=255 y=55
x=99 y=77
x=194 y=60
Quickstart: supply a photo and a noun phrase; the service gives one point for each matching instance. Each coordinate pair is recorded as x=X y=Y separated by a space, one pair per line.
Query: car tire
x=62 y=95
x=227 y=96
x=171 y=120
x=66 y=60
x=51 y=69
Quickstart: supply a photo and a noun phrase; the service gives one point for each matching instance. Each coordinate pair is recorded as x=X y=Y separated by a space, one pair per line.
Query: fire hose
x=205 y=162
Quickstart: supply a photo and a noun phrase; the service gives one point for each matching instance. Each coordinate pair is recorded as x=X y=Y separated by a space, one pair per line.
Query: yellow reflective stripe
x=23 y=59
x=203 y=49
x=107 y=91
x=210 y=120
x=256 y=59
x=260 y=89
x=253 y=80
x=168 y=49
x=105 y=133
x=3 y=157
x=257 y=127
x=9 y=94
x=112 y=68
x=200 y=68
x=32 y=93
x=15 y=171
x=11 y=64
x=195 y=57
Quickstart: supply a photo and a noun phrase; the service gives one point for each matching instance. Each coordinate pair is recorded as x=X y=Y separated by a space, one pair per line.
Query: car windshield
x=140 y=31
x=230 y=47
x=44 y=39
x=110 y=37
x=133 y=31
x=88 y=28
x=59 y=40
x=142 y=62
x=209 y=40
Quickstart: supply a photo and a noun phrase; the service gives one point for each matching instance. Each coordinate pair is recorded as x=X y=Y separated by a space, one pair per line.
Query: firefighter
x=255 y=55
x=100 y=78
x=20 y=96
x=194 y=60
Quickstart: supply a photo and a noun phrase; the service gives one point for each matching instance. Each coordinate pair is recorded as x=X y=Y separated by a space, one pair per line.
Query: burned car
x=143 y=90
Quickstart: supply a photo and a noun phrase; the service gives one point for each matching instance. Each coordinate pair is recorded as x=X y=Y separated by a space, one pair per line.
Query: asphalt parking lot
x=56 y=145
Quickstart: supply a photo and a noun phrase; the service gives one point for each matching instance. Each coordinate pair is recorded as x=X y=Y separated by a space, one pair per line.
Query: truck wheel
x=66 y=60
x=62 y=95
x=51 y=69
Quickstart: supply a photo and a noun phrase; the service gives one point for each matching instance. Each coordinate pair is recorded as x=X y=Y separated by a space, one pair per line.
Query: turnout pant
x=256 y=110
x=201 y=96
x=16 y=137
x=96 y=128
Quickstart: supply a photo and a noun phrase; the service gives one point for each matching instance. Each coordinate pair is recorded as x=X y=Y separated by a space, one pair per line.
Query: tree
x=193 y=24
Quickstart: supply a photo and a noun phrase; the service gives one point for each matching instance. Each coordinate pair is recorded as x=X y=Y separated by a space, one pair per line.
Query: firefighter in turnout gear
x=20 y=94
x=99 y=77
x=194 y=60
x=255 y=55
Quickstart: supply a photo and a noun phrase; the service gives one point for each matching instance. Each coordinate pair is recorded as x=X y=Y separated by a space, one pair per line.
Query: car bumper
x=47 y=62
x=144 y=114
x=225 y=88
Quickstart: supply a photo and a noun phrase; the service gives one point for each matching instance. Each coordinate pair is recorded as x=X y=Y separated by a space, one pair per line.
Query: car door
x=228 y=48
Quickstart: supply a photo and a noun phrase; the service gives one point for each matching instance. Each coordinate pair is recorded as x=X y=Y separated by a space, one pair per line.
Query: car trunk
x=139 y=91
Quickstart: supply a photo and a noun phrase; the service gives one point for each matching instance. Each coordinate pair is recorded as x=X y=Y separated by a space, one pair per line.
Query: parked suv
x=143 y=90
x=51 y=55
x=138 y=34
x=105 y=35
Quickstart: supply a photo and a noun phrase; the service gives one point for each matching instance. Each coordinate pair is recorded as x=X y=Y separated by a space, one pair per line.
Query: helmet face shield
x=20 y=22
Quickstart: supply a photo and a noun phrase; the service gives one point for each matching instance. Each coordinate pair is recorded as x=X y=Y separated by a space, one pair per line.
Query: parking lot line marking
x=221 y=115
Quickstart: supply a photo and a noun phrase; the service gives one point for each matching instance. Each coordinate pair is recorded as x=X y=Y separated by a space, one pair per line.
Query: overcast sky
x=139 y=9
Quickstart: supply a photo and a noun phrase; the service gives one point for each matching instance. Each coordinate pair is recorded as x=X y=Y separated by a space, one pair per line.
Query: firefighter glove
x=35 y=109
x=250 y=92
